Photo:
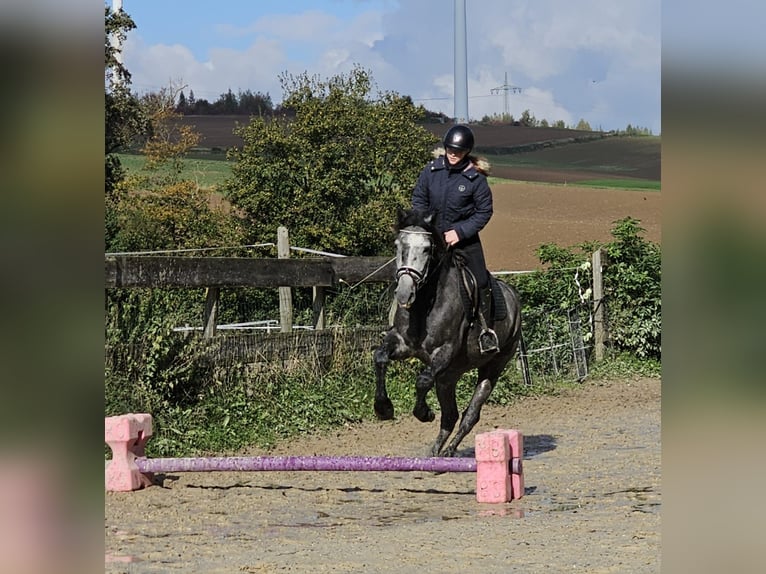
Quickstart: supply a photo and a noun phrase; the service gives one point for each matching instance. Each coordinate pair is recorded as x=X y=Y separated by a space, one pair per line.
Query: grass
x=209 y=170
x=629 y=184
x=622 y=184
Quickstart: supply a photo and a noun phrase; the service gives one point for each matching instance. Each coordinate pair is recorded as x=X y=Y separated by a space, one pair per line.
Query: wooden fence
x=214 y=273
x=283 y=273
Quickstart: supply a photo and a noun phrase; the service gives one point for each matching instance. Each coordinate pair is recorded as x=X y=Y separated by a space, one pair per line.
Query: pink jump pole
x=498 y=462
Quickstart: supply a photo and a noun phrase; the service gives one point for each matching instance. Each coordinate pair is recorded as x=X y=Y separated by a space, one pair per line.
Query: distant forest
x=247 y=103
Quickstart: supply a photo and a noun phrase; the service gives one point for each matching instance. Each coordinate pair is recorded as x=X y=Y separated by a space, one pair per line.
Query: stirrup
x=488 y=341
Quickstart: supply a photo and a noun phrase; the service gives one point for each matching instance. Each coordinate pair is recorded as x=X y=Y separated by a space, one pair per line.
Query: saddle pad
x=499 y=308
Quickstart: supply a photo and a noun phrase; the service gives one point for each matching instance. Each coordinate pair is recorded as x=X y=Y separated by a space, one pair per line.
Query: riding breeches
x=473 y=254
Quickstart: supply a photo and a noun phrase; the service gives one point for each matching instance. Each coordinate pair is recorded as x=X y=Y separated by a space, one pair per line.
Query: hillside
x=550 y=155
x=216 y=132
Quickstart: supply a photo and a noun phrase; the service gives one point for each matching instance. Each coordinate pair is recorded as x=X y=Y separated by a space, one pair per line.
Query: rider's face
x=455 y=155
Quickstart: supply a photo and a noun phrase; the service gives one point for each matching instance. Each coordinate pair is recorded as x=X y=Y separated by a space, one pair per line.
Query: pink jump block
x=127 y=436
x=499 y=473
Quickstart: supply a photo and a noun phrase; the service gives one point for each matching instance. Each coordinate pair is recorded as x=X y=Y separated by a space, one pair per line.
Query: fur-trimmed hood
x=482 y=163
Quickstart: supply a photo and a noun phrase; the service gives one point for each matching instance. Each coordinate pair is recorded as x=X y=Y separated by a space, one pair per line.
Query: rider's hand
x=451 y=237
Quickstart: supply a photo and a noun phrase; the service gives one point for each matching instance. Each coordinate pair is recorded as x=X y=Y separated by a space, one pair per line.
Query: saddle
x=470 y=296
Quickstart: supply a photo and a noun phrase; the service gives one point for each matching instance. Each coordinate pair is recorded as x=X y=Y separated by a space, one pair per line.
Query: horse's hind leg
x=470 y=415
x=488 y=376
x=423 y=384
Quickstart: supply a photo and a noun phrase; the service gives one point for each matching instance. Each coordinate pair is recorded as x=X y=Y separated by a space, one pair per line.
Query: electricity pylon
x=506 y=88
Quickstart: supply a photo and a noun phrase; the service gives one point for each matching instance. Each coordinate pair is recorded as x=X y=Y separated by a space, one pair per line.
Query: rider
x=454 y=185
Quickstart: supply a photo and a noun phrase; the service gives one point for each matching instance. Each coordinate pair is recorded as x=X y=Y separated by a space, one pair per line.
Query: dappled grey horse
x=435 y=321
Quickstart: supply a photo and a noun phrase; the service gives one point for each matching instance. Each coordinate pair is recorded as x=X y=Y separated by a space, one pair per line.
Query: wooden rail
x=213 y=273
x=127 y=271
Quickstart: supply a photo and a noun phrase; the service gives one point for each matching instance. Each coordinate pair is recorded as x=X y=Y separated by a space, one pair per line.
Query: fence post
x=285 y=293
x=211 y=313
x=318 y=307
x=599 y=328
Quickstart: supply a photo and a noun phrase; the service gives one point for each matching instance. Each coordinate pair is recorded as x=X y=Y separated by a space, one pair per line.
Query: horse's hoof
x=384 y=410
x=424 y=416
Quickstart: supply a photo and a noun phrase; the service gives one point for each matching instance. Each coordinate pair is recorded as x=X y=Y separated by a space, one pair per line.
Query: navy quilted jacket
x=462 y=200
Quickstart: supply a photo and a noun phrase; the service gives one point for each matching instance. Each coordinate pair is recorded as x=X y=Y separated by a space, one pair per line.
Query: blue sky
x=598 y=60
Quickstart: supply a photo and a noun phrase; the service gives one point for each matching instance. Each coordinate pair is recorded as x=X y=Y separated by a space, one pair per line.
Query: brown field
x=543 y=204
x=528 y=215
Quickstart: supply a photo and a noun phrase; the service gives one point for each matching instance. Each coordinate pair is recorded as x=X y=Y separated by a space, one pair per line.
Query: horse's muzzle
x=405 y=291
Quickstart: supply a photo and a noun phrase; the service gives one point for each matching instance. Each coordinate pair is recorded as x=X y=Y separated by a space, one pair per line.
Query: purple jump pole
x=311 y=463
x=498 y=462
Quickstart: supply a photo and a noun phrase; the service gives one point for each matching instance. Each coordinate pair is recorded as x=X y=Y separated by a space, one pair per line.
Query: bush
x=330 y=169
x=631 y=282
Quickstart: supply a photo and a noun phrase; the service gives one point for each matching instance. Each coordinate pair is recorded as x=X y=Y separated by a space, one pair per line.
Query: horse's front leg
x=384 y=408
x=423 y=384
x=445 y=392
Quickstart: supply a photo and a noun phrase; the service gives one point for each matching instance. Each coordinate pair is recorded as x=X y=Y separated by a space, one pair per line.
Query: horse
x=434 y=322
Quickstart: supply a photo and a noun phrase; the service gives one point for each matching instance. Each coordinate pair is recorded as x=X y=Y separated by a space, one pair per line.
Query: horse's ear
x=429 y=218
x=400 y=215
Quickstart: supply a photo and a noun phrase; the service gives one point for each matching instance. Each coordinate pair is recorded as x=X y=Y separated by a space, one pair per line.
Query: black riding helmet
x=459 y=137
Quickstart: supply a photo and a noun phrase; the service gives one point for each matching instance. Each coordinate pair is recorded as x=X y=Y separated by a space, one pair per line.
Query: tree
x=183 y=106
x=584 y=126
x=158 y=208
x=527 y=119
x=226 y=104
x=255 y=104
x=168 y=141
x=333 y=168
x=123 y=118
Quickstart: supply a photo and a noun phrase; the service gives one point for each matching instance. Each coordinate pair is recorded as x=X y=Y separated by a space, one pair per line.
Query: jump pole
x=498 y=463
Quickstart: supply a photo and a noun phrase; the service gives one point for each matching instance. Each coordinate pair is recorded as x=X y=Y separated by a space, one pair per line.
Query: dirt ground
x=591 y=503
x=527 y=215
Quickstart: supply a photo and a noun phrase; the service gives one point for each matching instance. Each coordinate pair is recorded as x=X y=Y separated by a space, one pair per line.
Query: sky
x=597 y=60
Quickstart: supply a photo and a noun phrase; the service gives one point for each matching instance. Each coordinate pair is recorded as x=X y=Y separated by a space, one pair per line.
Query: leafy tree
x=226 y=104
x=168 y=141
x=256 y=104
x=158 y=208
x=582 y=125
x=527 y=119
x=334 y=168
x=123 y=118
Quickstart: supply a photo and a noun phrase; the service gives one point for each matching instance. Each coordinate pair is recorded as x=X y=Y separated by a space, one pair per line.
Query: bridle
x=417 y=275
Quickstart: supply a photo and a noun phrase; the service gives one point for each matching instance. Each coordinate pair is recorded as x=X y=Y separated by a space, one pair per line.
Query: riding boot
x=487 y=337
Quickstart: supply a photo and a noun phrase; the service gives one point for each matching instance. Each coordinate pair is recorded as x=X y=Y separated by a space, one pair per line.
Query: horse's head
x=415 y=244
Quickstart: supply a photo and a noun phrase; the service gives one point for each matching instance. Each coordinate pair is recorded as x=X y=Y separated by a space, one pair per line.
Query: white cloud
x=553 y=49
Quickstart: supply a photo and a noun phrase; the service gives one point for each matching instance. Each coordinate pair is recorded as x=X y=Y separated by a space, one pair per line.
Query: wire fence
x=556 y=345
